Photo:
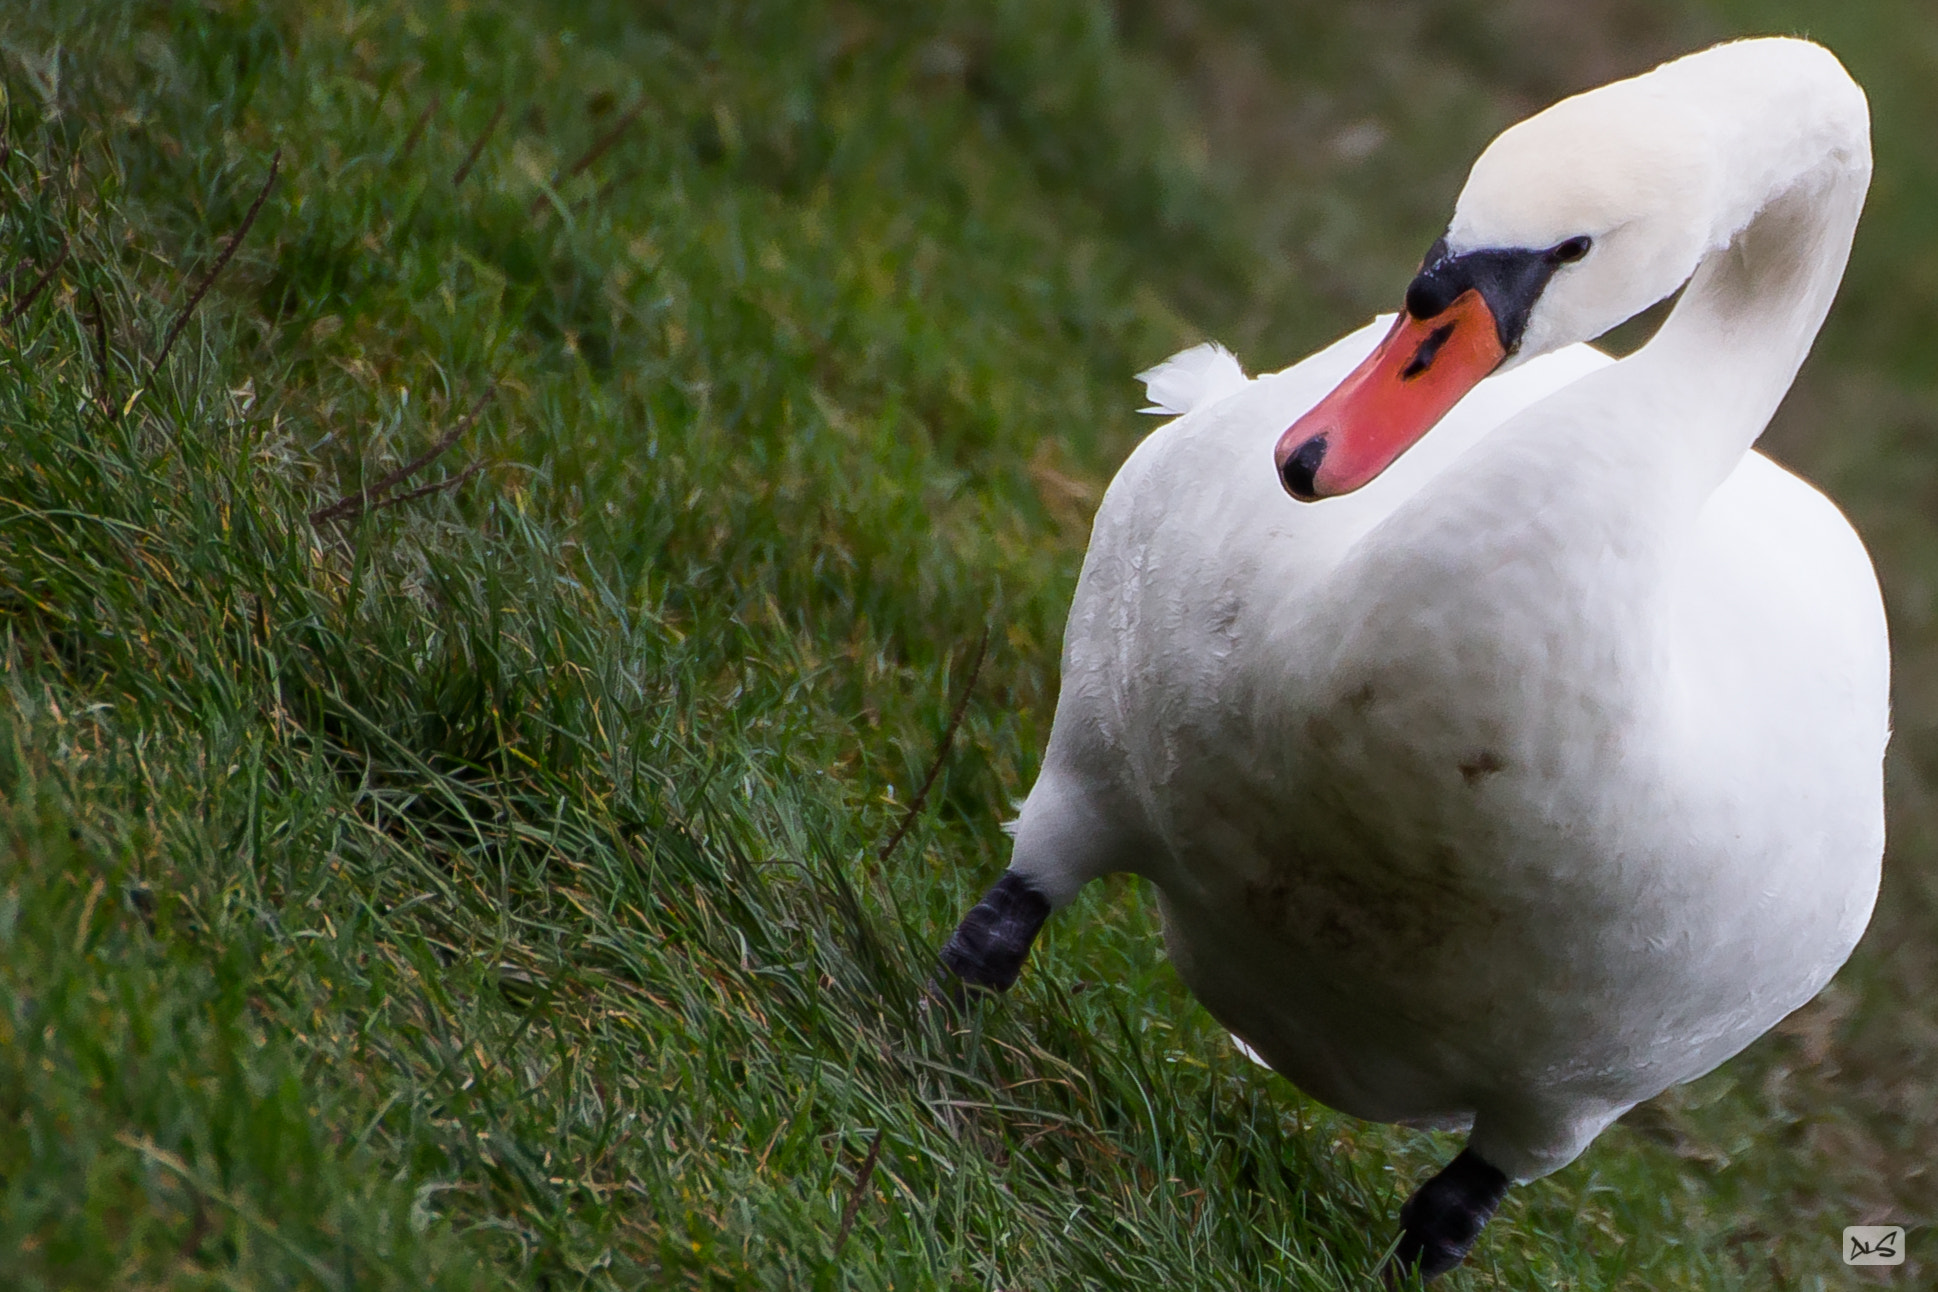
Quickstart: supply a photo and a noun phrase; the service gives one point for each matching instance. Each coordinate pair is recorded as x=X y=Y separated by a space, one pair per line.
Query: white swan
x=1537 y=765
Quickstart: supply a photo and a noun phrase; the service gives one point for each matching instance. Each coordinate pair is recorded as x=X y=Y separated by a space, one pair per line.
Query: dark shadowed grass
x=487 y=887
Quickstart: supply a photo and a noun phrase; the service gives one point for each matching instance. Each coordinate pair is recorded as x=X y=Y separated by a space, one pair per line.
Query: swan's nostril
x=1299 y=470
x=1429 y=350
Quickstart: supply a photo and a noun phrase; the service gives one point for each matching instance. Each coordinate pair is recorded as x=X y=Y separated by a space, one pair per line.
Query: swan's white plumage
x=1191 y=379
x=1544 y=771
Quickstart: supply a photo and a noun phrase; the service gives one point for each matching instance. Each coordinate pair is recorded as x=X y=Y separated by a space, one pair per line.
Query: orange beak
x=1381 y=410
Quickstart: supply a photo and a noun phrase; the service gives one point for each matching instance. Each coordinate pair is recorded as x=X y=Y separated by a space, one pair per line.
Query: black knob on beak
x=1299 y=470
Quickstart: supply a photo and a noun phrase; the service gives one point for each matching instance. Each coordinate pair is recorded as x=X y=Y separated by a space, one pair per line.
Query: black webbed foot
x=988 y=947
x=1439 y=1223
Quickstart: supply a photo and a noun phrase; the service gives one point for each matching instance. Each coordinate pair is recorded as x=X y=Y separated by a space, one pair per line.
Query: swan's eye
x=1571 y=250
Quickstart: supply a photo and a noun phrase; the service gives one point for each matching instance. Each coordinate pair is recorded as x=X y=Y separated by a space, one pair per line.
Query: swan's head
x=1595 y=209
x=1571 y=222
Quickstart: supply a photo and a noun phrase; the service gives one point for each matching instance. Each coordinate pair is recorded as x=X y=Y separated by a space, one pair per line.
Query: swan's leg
x=988 y=947
x=1065 y=837
x=1439 y=1223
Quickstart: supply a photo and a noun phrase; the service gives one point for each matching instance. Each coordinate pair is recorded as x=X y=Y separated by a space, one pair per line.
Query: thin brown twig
x=351 y=506
x=600 y=148
x=471 y=158
x=862 y=1177
x=199 y=1227
x=417 y=129
x=941 y=752
x=605 y=189
x=40 y=284
x=221 y=263
x=436 y=487
x=605 y=142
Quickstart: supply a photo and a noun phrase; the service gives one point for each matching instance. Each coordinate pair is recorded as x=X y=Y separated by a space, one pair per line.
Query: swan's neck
x=1795 y=170
x=1571 y=512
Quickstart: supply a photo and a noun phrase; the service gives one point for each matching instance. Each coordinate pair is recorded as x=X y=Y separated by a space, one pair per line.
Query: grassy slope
x=487 y=891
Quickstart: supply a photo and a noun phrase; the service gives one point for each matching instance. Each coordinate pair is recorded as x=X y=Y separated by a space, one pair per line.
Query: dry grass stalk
x=941 y=752
x=221 y=263
x=862 y=1177
x=600 y=148
x=351 y=506
x=417 y=127
x=471 y=158
x=40 y=284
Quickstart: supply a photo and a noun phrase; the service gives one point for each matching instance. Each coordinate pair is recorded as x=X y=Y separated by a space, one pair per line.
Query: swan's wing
x=1780 y=595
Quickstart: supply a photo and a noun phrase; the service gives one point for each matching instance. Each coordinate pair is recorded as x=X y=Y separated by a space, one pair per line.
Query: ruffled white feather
x=1191 y=379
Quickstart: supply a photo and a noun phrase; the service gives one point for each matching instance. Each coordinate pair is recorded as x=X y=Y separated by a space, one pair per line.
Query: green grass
x=488 y=891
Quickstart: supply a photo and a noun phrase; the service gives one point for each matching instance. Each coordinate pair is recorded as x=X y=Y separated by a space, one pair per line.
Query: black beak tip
x=1299 y=471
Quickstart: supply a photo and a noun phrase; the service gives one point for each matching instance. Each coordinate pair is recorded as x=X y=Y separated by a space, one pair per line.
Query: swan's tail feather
x=1239 y=1043
x=1191 y=379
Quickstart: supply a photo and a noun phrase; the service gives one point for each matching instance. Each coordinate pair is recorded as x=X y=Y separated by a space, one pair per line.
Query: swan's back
x=1784 y=689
